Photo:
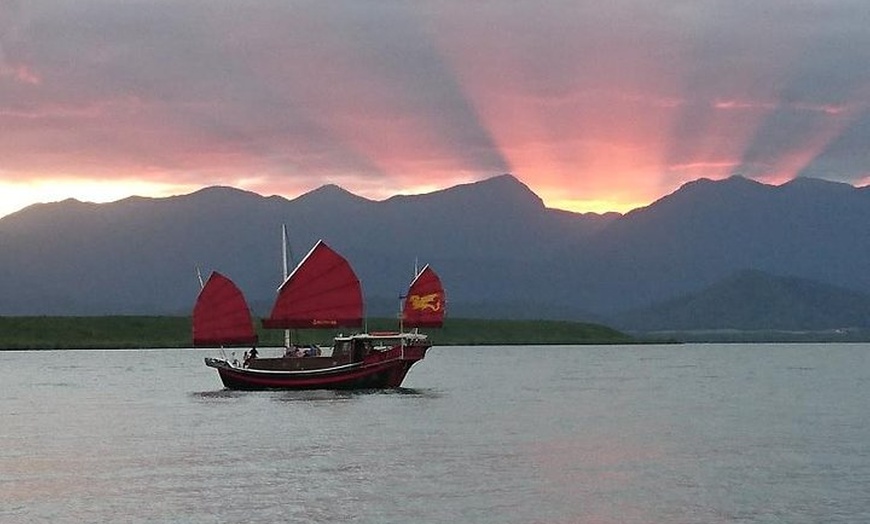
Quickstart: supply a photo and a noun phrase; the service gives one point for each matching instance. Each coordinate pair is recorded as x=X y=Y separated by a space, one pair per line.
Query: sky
x=596 y=106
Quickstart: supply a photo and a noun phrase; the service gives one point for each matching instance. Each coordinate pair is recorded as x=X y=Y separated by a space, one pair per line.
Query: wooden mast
x=286 y=274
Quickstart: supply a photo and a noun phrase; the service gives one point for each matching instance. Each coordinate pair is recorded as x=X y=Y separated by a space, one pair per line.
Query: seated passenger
x=250 y=356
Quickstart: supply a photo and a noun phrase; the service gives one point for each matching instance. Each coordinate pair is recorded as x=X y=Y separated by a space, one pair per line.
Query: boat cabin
x=347 y=350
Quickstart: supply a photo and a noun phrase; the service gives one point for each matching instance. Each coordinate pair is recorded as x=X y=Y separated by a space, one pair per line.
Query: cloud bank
x=594 y=105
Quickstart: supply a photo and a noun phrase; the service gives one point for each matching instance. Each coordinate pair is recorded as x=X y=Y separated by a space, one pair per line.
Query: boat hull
x=377 y=371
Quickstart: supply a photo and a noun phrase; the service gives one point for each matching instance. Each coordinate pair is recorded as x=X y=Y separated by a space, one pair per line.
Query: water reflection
x=316 y=395
x=341 y=395
x=218 y=394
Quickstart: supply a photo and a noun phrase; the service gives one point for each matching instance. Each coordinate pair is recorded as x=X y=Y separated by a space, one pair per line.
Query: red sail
x=221 y=316
x=323 y=291
x=425 y=303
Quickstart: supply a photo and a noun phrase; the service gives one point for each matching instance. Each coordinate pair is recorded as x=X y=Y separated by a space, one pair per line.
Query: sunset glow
x=19 y=195
x=596 y=108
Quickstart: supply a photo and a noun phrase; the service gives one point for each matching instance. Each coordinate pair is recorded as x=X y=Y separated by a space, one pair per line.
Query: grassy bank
x=166 y=332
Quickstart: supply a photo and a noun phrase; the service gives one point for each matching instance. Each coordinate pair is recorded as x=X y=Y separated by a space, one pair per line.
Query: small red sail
x=425 y=303
x=323 y=291
x=221 y=316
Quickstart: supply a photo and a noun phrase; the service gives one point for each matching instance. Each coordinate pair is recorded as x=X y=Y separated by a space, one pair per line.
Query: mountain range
x=499 y=250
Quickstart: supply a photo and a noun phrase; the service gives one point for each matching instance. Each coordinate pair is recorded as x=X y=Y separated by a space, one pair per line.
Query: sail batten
x=426 y=302
x=323 y=291
x=221 y=316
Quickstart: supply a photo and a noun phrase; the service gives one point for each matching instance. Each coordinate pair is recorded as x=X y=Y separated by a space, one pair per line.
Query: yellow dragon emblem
x=431 y=302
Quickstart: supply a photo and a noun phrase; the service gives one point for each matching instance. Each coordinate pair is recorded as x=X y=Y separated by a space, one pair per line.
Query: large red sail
x=323 y=291
x=426 y=302
x=221 y=316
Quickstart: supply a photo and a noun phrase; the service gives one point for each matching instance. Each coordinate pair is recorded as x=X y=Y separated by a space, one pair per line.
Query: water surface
x=616 y=434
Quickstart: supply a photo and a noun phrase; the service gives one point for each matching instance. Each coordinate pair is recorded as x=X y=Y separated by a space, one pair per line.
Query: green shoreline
x=140 y=332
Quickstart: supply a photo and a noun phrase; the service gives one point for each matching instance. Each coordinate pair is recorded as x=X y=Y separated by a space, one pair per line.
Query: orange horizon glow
x=18 y=196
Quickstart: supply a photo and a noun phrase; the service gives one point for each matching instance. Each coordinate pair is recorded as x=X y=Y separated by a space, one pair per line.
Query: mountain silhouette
x=499 y=250
x=139 y=255
x=708 y=230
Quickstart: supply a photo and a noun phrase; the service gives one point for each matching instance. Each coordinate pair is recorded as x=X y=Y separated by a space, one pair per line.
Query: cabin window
x=342 y=348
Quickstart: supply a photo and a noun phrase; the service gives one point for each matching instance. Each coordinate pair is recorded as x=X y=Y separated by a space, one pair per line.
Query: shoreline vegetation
x=142 y=332
x=146 y=332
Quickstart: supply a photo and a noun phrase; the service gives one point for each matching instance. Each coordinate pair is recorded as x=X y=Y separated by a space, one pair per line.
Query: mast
x=285 y=273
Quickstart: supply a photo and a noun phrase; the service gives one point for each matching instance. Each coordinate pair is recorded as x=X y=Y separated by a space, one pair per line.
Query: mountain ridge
x=707 y=230
x=162 y=240
x=499 y=250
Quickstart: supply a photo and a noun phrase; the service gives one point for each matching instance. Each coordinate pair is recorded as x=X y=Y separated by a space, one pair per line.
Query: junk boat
x=322 y=292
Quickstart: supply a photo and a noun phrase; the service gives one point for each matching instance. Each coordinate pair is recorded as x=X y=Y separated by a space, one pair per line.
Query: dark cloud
x=266 y=78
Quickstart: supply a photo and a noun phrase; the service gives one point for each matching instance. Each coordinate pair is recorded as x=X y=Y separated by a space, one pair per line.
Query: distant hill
x=707 y=230
x=755 y=301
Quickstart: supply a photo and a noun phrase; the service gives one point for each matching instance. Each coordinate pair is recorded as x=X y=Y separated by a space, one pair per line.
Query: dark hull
x=377 y=371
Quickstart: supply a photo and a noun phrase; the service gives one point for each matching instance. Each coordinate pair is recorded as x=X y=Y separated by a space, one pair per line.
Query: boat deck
x=298 y=363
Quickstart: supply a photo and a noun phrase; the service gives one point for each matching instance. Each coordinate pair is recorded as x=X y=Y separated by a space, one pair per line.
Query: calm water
x=641 y=434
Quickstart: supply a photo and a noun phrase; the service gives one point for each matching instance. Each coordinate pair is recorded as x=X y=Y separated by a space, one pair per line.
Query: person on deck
x=251 y=356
